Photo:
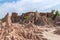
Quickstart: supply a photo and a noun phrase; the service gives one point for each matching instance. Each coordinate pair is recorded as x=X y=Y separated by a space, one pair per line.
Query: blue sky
x=21 y=6
x=3 y=1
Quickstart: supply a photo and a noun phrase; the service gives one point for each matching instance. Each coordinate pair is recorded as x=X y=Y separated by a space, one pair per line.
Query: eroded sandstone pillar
x=8 y=20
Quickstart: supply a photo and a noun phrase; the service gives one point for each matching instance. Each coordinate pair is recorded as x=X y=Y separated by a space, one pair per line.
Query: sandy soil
x=50 y=35
x=27 y=32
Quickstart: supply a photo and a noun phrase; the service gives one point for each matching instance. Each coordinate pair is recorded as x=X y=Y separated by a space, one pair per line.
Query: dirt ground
x=27 y=32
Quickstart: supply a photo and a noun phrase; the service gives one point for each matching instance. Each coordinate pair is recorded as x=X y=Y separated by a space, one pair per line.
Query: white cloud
x=50 y=5
x=27 y=5
x=33 y=1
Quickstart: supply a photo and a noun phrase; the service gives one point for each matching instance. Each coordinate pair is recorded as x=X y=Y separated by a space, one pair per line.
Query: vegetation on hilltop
x=27 y=17
x=56 y=13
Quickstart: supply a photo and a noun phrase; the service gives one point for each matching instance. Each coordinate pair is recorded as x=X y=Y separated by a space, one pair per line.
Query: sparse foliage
x=55 y=15
x=27 y=17
x=53 y=11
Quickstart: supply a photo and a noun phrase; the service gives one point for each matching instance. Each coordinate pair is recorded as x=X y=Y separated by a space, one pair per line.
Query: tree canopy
x=55 y=15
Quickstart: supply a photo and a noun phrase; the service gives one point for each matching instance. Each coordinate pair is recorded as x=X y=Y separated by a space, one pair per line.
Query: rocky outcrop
x=31 y=17
x=15 y=18
x=8 y=20
x=43 y=14
x=19 y=32
x=28 y=30
x=48 y=14
x=37 y=18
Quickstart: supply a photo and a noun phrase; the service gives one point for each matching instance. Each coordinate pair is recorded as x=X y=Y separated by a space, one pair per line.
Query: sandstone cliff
x=28 y=26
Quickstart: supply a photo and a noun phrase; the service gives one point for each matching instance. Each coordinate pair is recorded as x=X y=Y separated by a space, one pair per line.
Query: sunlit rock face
x=48 y=14
x=37 y=18
x=29 y=26
x=8 y=20
x=15 y=18
x=30 y=17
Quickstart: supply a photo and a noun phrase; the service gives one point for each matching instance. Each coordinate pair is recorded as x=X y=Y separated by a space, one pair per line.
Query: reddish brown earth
x=29 y=31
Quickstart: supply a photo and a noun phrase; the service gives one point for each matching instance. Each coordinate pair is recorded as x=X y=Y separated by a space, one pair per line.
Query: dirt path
x=50 y=36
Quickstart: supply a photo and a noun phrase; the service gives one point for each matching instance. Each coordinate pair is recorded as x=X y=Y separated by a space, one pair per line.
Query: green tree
x=55 y=15
x=53 y=11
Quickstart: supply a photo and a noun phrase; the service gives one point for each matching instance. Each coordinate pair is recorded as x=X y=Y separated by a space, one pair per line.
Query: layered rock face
x=36 y=18
x=48 y=14
x=15 y=18
x=28 y=30
x=19 y=32
x=31 y=17
x=8 y=20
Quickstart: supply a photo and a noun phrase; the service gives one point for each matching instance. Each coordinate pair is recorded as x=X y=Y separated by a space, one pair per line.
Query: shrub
x=55 y=15
x=27 y=17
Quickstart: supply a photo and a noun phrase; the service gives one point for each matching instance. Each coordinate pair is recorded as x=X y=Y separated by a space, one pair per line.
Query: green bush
x=53 y=11
x=55 y=15
x=27 y=17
